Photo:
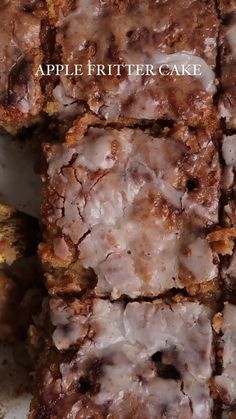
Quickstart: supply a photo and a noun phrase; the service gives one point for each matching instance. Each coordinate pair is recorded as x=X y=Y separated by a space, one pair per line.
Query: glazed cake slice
x=20 y=48
x=227 y=104
x=133 y=208
x=136 y=32
x=150 y=360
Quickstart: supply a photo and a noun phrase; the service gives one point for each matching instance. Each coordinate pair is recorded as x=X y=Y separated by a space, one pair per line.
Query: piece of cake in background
x=227 y=102
x=136 y=32
x=20 y=275
x=19 y=235
x=21 y=98
x=130 y=211
x=150 y=360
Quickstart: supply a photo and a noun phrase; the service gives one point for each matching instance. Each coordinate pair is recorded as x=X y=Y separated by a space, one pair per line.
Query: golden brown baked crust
x=18 y=235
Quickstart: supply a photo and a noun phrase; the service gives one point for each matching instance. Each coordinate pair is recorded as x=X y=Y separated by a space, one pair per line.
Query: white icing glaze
x=180 y=59
x=96 y=153
x=189 y=205
x=229 y=150
x=61 y=248
x=122 y=189
x=199 y=260
x=231 y=37
x=70 y=327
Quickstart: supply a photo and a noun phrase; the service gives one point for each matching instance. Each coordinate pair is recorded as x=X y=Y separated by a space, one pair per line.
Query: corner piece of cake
x=150 y=360
x=130 y=209
x=21 y=53
x=137 y=33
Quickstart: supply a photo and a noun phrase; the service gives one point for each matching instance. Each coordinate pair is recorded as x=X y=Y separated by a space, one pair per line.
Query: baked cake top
x=137 y=32
x=133 y=207
x=20 y=49
x=149 y=360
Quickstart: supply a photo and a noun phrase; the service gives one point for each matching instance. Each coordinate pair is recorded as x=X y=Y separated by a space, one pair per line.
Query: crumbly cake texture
x=149 y=360
x=131 y=207
x=226 y=7
x=227 y=103
x=20 y=46
x=137 y=32
x=18 y=235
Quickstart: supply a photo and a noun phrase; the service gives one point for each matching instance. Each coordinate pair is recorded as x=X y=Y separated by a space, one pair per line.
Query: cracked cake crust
x=126 y=203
